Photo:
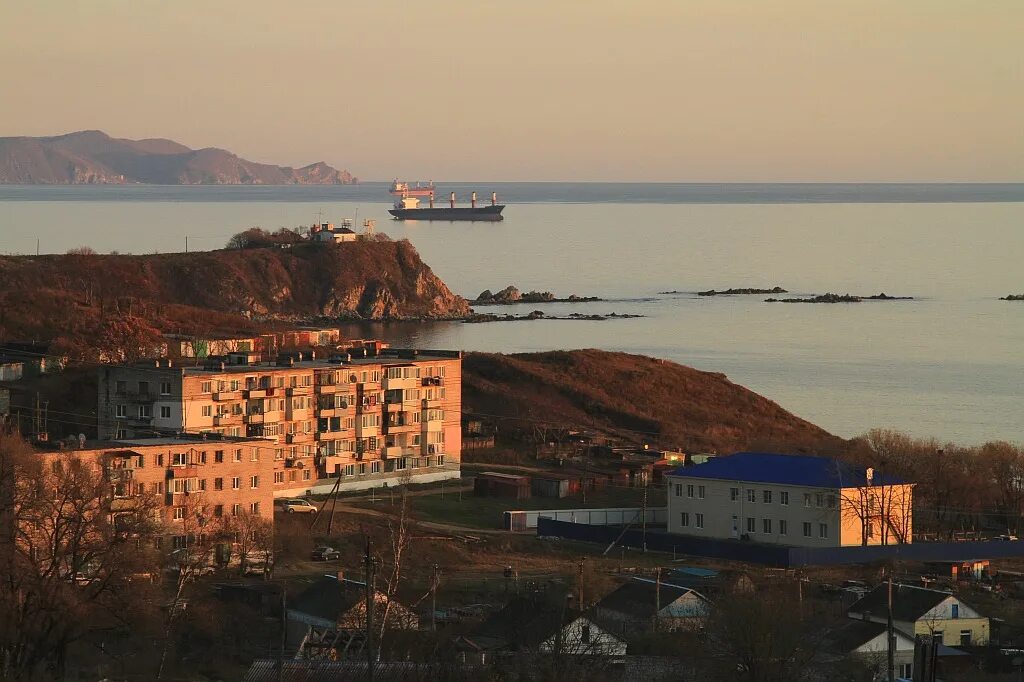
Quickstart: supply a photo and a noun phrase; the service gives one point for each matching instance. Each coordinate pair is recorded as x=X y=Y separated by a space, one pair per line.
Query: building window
x=236 y=509
x=823 y=530
x=699 y=519
x=906 y=670
x=819 y=500
x=831 y=501
x=145 y=411
x=165 y=412
x=254 y=508
x=751 y=525
x=218 y=456
x=254 y=455
x=179 y=513
x=238 y=455
x=218 y=510
x=584 y=634
x=965 y=638
x=207 y=410
x=700 y=492
x=121 y=410
x=782 y=527
x=679 y=489
x=278 y=477
x=306 y=474
x=120 y=387
x=807 y=499
x=218 y=484
x=202 y=484
x=236 y=483
x=751 y=495
x=766 y=495
x=144 y=387
x=807 y=529
x=954 y=610
x=254 y=482
x=207 y=387
x=734 y=494
x=689 y=491
x=684 y=519
x=766 y=525
x=375 y=467
x=179 y=459
x=165 y=388
x=784 y=497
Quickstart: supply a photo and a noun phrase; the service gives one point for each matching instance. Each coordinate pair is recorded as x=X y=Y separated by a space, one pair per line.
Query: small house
x=642 y=605
x=921 y=611
x=335 y=602
x=547 y=485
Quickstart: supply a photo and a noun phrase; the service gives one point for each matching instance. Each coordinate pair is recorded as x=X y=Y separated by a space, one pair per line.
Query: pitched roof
x=765 y=467
x=524 y=623
x=327 y=598
x=637 y=598
x=853 y=634
x=908 y=602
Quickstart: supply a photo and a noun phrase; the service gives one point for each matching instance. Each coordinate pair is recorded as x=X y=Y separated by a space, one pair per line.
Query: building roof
x=524 y=623
x=800 y=470
x=909 y=602
x=637 y=598
x=853 y=634
x=328 y=598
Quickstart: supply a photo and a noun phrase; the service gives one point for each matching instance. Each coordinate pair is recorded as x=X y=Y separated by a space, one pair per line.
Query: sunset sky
x=640 y=90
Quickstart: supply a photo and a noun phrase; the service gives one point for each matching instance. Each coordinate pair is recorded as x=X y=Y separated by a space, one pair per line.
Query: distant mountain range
x=93 y=157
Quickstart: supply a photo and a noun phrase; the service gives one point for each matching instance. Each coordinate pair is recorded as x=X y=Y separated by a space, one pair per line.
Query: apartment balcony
x=293 y=414
x=327 y=388
x=298 y=390
x=367 y=431
x=227 y=395
x=227 y=419
x=138 y=421
x=402 y=428
x=137 y=397
x=396 y=451
x=330 y=412
x=182 y=471
x=296 y=438
x=432 y=381
x=395 y=407
x=120 y=474
x=391 y=384
x=430 y=403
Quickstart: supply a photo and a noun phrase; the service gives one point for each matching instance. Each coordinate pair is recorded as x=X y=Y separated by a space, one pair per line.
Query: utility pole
x=643 y=533
x=371 y=598
x=579 y=578
x=186 y=243
x=657 y=597
x=284 y=631
x=890 y=637
x=433 y=599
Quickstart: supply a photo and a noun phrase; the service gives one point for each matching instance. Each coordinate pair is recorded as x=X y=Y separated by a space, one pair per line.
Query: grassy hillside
x=634 y=397
x=97 y=299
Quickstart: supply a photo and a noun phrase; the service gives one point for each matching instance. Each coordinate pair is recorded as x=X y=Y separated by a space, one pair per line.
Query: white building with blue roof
x=795 y=500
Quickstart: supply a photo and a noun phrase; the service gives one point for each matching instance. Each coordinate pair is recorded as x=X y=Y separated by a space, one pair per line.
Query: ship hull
x=480 y=213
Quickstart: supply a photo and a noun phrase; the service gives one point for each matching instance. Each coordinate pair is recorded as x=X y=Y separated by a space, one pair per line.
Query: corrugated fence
x=778 y=555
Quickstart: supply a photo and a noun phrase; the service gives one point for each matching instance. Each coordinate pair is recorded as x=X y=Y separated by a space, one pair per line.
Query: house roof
x=909 y=603
x=855 y=633
x=802 y=470
x=524 y=623
x=328 y=598
x=637 y=598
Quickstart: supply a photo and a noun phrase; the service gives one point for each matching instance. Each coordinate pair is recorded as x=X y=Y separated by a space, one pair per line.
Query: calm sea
x=948 y=364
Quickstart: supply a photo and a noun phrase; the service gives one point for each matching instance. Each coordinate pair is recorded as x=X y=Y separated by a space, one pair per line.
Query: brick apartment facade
x=383 y=419
x=220 y=478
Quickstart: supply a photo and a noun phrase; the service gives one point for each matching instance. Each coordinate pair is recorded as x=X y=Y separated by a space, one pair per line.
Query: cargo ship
x=409 y=198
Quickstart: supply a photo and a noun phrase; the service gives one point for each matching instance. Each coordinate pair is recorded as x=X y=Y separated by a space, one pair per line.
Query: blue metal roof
x=766 y=467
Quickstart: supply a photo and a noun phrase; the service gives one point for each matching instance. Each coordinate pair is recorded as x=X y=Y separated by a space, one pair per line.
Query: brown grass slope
x=634 y=397
x=45 y=297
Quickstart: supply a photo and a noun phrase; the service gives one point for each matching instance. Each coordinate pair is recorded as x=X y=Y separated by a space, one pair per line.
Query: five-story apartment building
x=388 y=418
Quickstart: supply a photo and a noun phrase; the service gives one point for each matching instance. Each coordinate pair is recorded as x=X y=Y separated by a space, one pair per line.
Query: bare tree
x=254 y=537
x=68 y=548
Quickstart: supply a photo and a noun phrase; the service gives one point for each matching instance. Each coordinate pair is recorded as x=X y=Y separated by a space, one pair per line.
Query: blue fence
x=777 y=555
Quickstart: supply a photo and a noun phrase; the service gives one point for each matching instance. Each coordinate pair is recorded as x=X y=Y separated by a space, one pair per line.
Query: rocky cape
x=77 y=298
x=511 y=295
x=1013 y=297
x=477 y=318
x=638 y=398
x=93 y=157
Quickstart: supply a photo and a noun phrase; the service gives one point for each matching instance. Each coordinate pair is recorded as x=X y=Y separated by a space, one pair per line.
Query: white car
x=296 y=505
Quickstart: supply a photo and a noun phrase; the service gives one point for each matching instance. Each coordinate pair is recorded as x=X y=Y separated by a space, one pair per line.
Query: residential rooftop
x=798 y=470
x=909 y=602
x=300 y=360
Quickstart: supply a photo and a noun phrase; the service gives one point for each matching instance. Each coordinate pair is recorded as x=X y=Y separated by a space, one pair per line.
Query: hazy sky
x=667 y=90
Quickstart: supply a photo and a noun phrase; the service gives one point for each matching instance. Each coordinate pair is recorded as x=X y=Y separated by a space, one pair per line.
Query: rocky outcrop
x=56 y=296
x=1013 y=297
x=510 y=295
x=93 y=157
x=840 y=298
x=736 y=292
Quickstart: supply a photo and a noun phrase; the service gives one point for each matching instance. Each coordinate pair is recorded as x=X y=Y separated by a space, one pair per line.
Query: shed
x=495 y=484
x=546 y=485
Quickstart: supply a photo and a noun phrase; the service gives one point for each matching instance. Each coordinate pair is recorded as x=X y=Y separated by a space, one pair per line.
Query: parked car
x=326 y=554
x=1006 y=538
x=296 y=505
